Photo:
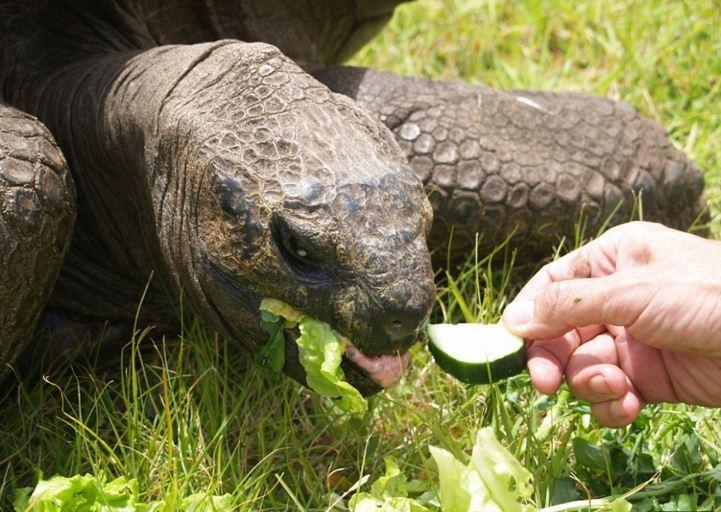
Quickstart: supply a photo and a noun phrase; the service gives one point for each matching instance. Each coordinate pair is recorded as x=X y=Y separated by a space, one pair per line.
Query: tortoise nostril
x=400 y=328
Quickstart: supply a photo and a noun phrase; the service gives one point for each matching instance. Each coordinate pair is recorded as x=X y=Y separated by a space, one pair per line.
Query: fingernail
x=615 y=409
x=598 y=385
x=518 y=314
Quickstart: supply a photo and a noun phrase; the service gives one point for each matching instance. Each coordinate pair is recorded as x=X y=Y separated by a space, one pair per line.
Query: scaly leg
x=529 y=163
x=37 y=211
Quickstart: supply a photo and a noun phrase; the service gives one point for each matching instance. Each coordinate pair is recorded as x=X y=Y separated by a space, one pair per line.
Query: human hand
x=633 y=317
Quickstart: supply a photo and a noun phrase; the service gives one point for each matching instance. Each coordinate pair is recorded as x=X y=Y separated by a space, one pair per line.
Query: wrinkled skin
x=220 y=166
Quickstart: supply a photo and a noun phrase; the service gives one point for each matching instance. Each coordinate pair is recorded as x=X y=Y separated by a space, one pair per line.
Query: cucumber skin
x=470 y=373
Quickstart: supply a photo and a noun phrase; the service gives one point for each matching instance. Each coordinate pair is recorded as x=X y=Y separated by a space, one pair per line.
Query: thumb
x=563 y=306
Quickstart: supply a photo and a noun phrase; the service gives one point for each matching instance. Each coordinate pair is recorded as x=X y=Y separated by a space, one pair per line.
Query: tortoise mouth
x=368 y=374
x=385 y=370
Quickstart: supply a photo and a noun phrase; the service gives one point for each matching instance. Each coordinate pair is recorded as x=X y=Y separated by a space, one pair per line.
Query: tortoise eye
x=301 y=257
x=297 y=251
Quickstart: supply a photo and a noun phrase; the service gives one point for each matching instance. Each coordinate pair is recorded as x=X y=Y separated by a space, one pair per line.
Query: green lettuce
x=451 y=471
x=493 y=480
x=280 y=309
x=388 y=494
x=86 y=493
x=320 y=350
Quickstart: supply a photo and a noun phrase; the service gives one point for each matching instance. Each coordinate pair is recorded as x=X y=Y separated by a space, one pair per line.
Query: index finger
x=595 y=259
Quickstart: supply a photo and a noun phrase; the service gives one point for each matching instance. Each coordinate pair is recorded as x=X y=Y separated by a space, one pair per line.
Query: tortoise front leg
x=37 y=211
x=529 y=163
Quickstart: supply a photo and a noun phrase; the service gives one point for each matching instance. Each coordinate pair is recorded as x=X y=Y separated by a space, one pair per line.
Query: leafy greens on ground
x=86 y=493
x=493 y=481
x=388 y=494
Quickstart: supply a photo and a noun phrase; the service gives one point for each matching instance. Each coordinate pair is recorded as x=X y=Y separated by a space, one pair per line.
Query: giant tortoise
x=221 y=147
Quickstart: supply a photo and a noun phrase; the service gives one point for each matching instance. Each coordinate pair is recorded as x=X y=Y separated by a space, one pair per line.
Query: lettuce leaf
x=281 y=310
x=320 y=350
x=393 y=483
x=504 y=476
x=388 y=494
x=364 y=502
x=86 y=493
x=454 y=496
x=493 y=481
x=272 y=354
x=321 y=353
x=78 y=493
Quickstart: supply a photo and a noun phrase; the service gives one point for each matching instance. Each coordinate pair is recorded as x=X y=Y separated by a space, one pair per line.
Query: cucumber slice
x=477 y=353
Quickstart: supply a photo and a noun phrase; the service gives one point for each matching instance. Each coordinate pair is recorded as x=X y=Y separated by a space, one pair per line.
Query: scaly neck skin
x=116 y=248
x=108 y=265
x=157 y=119
x=105 y=111
x=129 y=153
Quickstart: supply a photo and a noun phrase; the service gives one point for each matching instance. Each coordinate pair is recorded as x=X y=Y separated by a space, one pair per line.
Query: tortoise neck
x=116 y=239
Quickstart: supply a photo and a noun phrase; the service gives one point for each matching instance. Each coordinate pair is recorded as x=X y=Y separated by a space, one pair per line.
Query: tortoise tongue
x=386 y=371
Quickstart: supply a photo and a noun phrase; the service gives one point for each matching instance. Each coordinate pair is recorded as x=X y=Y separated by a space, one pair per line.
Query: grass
x=195 y=415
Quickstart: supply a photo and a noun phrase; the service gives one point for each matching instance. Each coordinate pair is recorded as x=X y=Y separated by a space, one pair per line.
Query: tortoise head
x=311 y=203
